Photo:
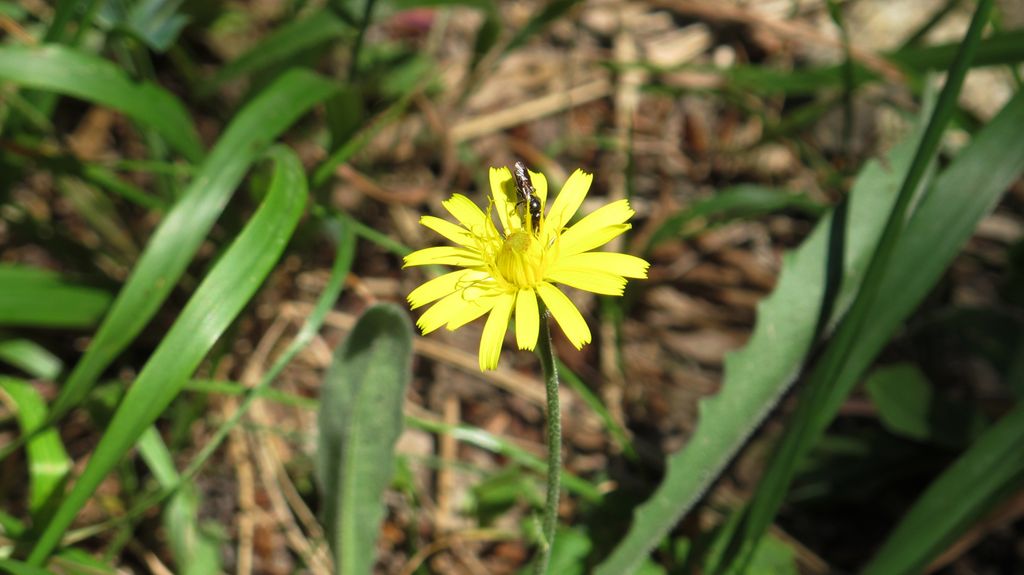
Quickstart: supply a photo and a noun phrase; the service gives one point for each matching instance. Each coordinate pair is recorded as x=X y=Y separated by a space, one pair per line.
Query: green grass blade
x=30 y=357
x=15 y=567
x=285 y=43
x=978 y=479
x=73 y=73
x=185 y=227
x=757 y=375
x=48 y=461
x=738 y=202
x=218 y=300
x=360 y=420
x=34 y=297
x=999 y=48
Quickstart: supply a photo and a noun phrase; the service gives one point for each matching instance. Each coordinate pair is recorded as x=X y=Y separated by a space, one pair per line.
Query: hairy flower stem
x=554 y=421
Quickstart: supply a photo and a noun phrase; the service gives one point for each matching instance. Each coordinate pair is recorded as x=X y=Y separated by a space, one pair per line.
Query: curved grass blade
x=183 y=229
x=218 y=300
x=285 y=43
x=35 y=297
x=978 y=479
x=48 y=461
x=18 y=568
x=360 y=420
x=73 y=73
x=30 y=357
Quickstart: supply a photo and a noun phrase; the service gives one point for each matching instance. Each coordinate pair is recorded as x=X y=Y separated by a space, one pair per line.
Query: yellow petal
x=540 y=185
x=478 y=302
x=439 y=313
x=589 y=280
x=502 y=188
x=443 y=255
x=569 y=199
x=454 y=233
x=468 y=213
x=494 y=331
x=441 y=286
x=566 y=314
x=574 y=243
x=527 y=319
x=619 y=264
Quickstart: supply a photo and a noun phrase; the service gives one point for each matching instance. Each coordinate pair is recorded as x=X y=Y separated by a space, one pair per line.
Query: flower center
x=520 y=260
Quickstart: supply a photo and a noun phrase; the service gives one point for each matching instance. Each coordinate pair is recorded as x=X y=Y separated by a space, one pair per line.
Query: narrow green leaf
x=360 y=420
x=738 y=202
x=195 y=551
x=288 y=41
x=48 y=462
x=34 y=297
x=551 y=12
x=978 y=480
x=218 y=300
x=74 y=73
x=30 y=357
x=182 y=231
x=18 y=568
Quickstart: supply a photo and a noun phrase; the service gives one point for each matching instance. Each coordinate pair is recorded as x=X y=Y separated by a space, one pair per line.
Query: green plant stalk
x=554 y=422
x=826 y=389
x=360 y=35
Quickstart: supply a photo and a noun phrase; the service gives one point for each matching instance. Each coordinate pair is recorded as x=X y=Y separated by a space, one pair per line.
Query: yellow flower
x=506 y=271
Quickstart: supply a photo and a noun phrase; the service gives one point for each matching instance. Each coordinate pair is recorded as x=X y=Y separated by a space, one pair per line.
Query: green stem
x=554 y=421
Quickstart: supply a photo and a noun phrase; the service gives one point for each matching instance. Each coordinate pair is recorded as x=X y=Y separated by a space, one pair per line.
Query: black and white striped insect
x=527 y=195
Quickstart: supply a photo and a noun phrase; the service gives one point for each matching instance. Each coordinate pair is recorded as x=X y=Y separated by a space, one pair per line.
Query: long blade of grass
x=183 y=229
x=973 y=484
x=48 y=461
x=74 y=73
x=360 y=420
x=218 y=300
x=35 y=297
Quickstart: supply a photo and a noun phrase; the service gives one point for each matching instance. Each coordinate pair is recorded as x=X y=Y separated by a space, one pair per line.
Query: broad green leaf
x=186 y=225
x=757 y=375
x=903 y=396
x=30 y=357
x=73 y=73
x=35 y=297
x=218 y=300
x=288 y=41
x=738 y=202
x=983 y=476
x=908 y=406
x=360 y=420
x=48 y=462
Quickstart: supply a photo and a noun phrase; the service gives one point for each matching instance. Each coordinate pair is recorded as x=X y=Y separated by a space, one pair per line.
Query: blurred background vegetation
x=201 y=199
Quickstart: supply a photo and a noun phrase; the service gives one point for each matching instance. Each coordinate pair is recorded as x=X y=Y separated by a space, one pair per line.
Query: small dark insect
x=527 y=195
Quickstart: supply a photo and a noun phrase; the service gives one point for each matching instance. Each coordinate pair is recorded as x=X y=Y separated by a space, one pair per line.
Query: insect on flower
x=527 y=195
x=507 y=271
